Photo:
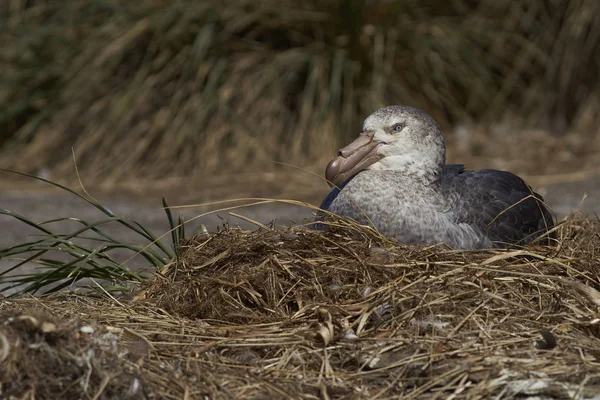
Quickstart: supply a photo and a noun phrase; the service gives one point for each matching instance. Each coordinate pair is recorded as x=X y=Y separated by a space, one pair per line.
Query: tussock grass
x=297 y=313
x=230 y=85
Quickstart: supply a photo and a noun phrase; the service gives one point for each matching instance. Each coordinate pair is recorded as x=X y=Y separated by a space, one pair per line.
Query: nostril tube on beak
x=352 y=159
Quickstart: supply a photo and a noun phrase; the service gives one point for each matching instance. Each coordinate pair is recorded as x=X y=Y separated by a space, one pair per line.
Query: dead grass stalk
x=295 y=313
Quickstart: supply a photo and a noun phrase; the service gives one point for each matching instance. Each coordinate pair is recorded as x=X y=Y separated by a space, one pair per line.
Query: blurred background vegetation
x=154 y=88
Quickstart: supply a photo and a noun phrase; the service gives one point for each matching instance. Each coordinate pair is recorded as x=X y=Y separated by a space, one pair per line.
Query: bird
x=394 y=177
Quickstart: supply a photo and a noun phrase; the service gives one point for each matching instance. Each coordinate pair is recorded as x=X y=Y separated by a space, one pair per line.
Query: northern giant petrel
x=394 y=176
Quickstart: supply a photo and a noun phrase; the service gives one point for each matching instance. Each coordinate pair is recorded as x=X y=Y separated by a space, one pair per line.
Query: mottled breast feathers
x=498 y=204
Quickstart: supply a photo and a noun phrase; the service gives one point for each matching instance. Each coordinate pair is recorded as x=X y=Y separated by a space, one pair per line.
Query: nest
x=295 y=313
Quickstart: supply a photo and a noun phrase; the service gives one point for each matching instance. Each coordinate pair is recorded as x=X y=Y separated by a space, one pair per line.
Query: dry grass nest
x=295 y=313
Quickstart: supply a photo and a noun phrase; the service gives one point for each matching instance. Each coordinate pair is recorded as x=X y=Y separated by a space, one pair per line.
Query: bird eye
x=397 y=128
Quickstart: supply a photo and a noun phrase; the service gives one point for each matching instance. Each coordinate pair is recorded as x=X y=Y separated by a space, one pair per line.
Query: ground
x=305 y=314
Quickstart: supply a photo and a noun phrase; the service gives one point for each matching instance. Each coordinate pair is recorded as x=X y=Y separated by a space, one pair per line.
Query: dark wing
x=497 y=202
x=453 y=169
x=326 y=203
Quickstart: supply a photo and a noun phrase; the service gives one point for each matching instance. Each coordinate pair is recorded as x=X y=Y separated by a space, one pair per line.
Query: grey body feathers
x=464 y=209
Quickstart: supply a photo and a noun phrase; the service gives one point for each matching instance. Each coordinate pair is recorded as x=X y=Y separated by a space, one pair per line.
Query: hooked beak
x=357 y=156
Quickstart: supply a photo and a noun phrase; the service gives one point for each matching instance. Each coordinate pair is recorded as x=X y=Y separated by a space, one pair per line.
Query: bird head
x=393 y=138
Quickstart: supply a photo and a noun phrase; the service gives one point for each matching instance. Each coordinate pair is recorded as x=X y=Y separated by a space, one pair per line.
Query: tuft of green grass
x=63 y=260
x=235 y=84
